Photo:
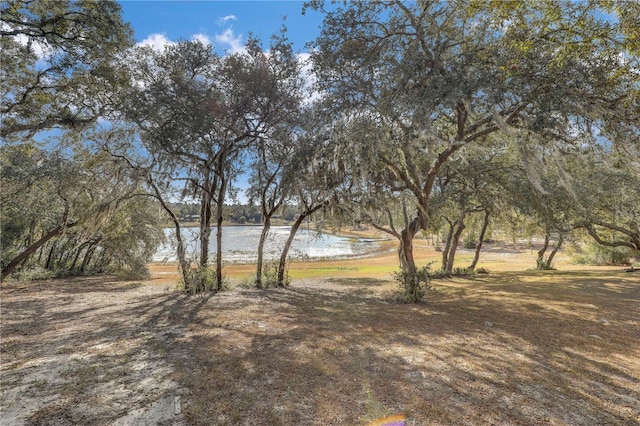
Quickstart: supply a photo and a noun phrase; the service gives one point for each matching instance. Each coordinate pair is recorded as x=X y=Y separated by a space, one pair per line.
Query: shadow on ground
x=529 y=348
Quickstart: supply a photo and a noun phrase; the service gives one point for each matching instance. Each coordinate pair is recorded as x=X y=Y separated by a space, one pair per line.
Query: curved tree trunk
x=287 y=245
x=181 y=251
x=541 y=252
x=13 y=264
x=87 y=257
x=549 y=261
x=263 y=238
x=77 y=256
x=405 y=251
x=52 y=250
x=483 y=231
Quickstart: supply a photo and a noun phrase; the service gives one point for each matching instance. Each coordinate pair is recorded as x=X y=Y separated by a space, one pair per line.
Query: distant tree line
x=233 y=213
x=456 y=118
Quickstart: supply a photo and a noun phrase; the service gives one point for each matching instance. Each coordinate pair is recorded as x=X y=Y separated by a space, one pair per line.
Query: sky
x=224 y=24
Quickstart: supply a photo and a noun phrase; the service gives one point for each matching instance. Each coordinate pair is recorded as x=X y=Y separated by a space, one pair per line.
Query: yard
x=510 y=347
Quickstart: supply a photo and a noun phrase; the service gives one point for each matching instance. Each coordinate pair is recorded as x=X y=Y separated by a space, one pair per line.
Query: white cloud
x=306 y=71
x=202 y=38
x=156 y=41
x=229 y=41
x=223 y=20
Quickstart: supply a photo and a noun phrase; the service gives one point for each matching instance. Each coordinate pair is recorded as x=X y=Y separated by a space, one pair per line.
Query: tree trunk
x=205 y=228
x=549 y=260
x=11 y=266
x=220 y=217
x=181 y=251
x=47 y=265
x=447 y=245
x=285 y=251
x=263 y=238
x=483 y=231
x=87 y=257
x=541 y=252
x=77 y=256
x=405 y=251
x=455 y=241
x=411 y=283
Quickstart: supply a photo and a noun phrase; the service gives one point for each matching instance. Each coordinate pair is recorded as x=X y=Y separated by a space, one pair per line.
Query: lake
x=240 y=244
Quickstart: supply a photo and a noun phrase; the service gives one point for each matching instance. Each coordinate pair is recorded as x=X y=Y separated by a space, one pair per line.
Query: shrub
x=458 y=272
x=439 y=274
x=33 y=274
x=202 y=280
x=413 y=287
x=470 y=242
x=270 y=275
x=463 y=272
x=134 y=274
x=597 y=254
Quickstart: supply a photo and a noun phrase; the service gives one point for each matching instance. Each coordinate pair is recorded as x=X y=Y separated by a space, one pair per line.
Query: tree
x=315 y=176
x=605 y=193
x=199 y=113
x=57 y=63
x=273 y=167
x=271 y=183
x=70 y=207
x=434 y=77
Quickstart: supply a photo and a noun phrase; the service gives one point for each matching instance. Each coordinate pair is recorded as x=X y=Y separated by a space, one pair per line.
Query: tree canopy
x=427 y=115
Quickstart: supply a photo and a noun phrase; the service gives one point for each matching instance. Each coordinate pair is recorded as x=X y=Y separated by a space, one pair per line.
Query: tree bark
x=205 y=223
x=47 y=265
x=405 y=251
x=87 y=257
x=219 y=219
x=11 y=266
x=263 y=237
x=455 y=241
x=447 y=245
x=180 y=251
x=541 y=252
x=549 y=260
x=483 y=231
x=285 y=250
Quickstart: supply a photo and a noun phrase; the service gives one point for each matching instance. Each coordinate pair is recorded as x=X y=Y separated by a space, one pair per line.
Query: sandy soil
x=557 y=348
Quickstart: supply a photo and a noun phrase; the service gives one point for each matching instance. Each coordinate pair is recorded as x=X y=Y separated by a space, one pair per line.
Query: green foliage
x=57 y=63
x=463 y=272
x=34 y=274
x=413 y=285
x=137 y=270
x=542 y=265
x=597 y=254
x=74 y=214
x=202 y=280
x=470 y=242
x=270 y=275
x=456 y=272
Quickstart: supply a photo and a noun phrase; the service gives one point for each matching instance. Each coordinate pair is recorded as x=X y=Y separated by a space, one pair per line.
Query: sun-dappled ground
x=556 y=347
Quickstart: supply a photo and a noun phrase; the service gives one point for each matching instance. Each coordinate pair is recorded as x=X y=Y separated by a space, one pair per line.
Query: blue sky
x=225 y=24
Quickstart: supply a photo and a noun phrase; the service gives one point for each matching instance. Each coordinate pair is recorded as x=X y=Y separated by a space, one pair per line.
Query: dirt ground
x=508 y=348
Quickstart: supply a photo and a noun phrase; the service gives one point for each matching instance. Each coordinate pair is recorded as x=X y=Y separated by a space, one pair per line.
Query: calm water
x=240 y=244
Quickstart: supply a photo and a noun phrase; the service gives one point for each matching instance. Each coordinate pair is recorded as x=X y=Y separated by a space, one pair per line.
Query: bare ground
x=557 y=348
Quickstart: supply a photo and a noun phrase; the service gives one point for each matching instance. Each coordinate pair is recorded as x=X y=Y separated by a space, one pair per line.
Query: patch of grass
x=374 y=408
